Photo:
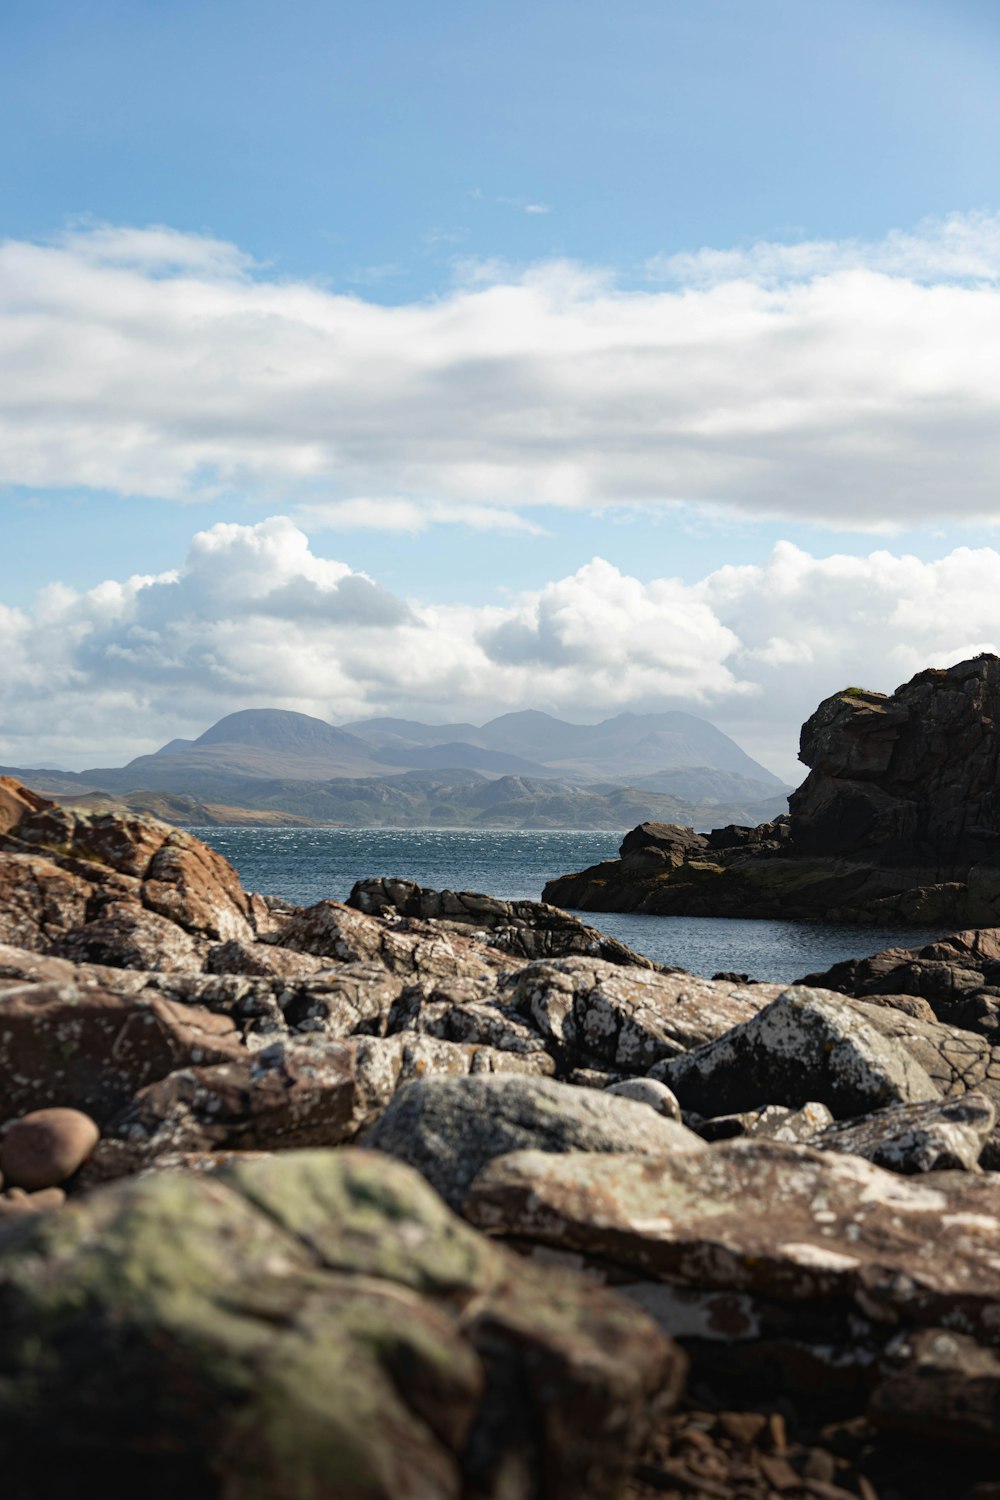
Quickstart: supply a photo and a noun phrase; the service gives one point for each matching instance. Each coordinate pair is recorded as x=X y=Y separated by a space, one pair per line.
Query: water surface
x=307 y=864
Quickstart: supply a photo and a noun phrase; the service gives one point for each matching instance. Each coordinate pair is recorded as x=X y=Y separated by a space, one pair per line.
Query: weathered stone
x=448 y=1129
x=773 y=1122
x=592 y=1012
x=940 y=1385
x=526 y=929
x=17 y=802
x=43 y=1148
x=807 y=1045
x=89 y=1050
x=659 y=846
x=334 y=931
x=748 y=1227
x=261 y=960
x=314 y=1324
x=945 y=1135
x=126 y=935
x=648 y=1091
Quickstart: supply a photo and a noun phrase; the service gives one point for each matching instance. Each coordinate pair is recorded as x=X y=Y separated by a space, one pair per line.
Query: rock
x=448 y=1129
x=16 y=802
x=526 y=929
x=941 y=1385
x=313 y=1324
x=648 y=1091
x=771 y=1262
x=898 y=820
x=416 y=949
x=938 y=1137
x=660 y=846
x=16 y=1201
x=774 y=1122
x=286 y=1097
x=590 y=1012
x=89 y=1050
x=807 y=1045
x=42 y=1149
x=956 y=980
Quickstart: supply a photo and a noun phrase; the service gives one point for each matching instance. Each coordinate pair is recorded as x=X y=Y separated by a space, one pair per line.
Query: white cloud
x=255 y=618
x=842 y=382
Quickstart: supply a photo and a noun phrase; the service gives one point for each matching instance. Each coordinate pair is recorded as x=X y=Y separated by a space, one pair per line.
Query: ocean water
x=307 y=864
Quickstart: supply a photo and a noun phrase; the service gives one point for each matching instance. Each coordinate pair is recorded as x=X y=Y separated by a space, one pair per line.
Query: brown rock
x=17 y=802
x=45 y=1147
x=92 y=1050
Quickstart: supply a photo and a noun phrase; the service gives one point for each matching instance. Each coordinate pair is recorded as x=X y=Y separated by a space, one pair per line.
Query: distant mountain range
x=520 y=770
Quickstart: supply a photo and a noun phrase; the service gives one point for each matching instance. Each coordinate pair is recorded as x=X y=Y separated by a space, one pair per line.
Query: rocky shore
x=898 y=822
x=431 y=1195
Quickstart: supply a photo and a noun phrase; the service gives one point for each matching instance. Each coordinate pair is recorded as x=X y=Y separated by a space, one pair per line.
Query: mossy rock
x=312 y=1325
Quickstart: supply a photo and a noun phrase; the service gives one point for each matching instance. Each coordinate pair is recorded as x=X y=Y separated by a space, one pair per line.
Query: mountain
x=518 y=770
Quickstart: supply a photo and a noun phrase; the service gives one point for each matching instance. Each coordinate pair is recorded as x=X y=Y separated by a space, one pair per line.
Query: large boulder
x=598 y=1014
x=806 y=1046
x=448 y=1129
x=317 y=1325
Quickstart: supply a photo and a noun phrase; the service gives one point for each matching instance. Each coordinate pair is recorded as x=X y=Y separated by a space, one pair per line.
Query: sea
x=309 y=864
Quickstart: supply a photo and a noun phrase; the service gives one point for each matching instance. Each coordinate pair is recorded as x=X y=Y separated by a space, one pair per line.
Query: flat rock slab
x=806 y=1046
x=767 y=1220
x=448 y=1129
x=316 y=1324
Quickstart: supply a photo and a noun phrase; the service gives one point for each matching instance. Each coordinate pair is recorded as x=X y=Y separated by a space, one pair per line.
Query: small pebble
x=45 y=1147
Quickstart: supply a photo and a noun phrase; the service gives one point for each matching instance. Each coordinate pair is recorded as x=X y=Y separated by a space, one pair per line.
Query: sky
x=444 y=360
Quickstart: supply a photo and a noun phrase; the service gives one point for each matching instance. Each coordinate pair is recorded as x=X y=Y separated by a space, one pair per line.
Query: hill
x=519 y=770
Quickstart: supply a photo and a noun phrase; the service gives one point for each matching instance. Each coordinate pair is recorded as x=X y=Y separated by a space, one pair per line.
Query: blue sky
x=472 y=294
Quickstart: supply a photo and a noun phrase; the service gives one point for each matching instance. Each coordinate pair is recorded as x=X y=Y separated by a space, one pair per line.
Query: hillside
x=519 y=770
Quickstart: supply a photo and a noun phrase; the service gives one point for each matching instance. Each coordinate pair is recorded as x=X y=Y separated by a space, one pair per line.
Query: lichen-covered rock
x=945 y=1135
x=448 y=1129
x=774 y=1122
x=807 y=1045
x=90 y=1050
x=854 y=1251
x=648 y=1091
x=312 y=1325
x=593 y=1013
x=526 y=929
x=411 y=948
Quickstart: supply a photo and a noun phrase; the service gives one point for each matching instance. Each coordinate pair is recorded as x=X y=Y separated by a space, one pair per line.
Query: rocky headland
x=898 y=822
x=430 y=1196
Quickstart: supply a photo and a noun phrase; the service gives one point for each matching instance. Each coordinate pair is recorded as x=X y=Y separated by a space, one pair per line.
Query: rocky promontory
x=430 y=1196
x=897 y=822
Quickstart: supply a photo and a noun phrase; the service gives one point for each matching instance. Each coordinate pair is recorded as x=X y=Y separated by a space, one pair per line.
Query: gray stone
x=938 y=1137
x=448 y=1129
x=648 y=1091
x=627 y=1020
x=807 y=1045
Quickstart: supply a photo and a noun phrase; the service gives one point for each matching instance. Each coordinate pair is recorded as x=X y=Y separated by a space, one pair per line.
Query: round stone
x=44 y=1148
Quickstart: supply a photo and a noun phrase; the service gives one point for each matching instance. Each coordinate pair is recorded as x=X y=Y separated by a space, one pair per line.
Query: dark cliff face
x=910 y=778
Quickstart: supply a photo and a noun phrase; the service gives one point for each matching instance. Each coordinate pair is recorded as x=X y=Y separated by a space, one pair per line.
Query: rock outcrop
x=207 y=1288
x=898 y=821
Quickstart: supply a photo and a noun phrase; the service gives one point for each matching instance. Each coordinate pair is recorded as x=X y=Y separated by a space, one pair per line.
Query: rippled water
x=307 y=864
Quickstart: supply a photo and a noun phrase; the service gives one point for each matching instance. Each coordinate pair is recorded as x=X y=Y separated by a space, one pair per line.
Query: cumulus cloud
x=254 y=617
x=840 y=382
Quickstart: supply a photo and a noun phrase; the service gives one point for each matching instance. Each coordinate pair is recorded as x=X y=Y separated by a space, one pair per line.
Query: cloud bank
x=254 y=618
x=844 y=383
